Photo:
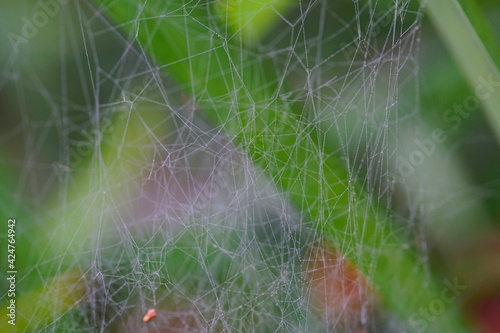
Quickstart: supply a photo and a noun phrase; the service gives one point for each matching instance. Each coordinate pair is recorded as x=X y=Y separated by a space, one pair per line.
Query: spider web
x=135 y=191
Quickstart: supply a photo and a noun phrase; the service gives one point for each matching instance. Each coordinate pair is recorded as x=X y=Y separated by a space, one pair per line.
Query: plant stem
x=470 y=54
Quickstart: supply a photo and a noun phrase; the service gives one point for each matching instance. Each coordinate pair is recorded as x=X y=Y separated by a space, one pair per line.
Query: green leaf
x=241 y=96
x=253 y=19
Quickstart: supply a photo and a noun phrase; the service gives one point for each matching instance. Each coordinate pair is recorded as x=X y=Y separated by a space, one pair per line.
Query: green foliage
x=233 y=91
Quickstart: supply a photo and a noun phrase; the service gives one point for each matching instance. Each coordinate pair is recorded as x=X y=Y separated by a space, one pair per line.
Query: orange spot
x=339 y=290
x=150 y=315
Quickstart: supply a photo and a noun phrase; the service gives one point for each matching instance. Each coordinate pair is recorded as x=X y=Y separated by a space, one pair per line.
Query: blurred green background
x=450 y=208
